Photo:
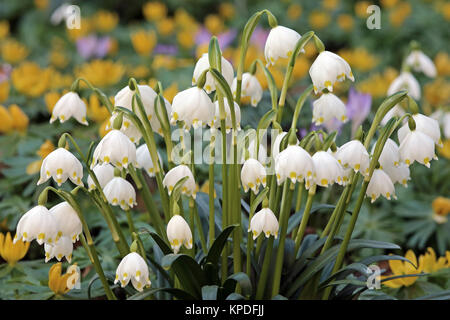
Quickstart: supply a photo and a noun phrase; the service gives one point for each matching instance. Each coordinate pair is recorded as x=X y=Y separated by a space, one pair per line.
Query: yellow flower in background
x=139 y=72
x=102 y=131
x=294 y=11
x=214 y=24
x=442 y=63
x=399 y=268
x=165 y=26
x=445 y=150
x=301 y=67
x=441 y=208
x=13 y=51
x=101 y=73
x=20 y=119
x=96 y=110
x=105 y=21
x=185 y=21
x=58 y=59
x=143 y=42
x=361 y=8
x=378 y=83
x=201 y=49
x=330 y=4
x=253 y=53
x=226 y=10
x=186 y=39
x=164 y=61
x=41 y=4
x=86 y=26
x=59 y=80
x=50 y=99
x=44 y=150
x=30 y=79
x=319 y=19
x=58 y=283
x=4 y=91
x=399 y=14
x=429 y=263
x=10 y=252
x=4 y=29
x=345 y=22
x=171 y=91
x=6 y=121
x=437 y=92
x=359 y=58
x=388 y=3
x=154 y=11
x=445 y=10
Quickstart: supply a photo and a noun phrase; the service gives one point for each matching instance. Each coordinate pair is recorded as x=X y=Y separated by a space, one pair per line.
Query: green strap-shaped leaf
x=162 y=245
x=244 y=282
x=218 y=245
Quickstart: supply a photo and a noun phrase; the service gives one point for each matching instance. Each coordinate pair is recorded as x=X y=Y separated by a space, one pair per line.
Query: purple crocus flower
x=225 y=39
x=5 y=71
x=259 y=37
x=358 y=107
x=93 y=46
x=166 y=49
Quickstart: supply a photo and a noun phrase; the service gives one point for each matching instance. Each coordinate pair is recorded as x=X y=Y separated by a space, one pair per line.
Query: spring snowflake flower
x=405 y=81
x=399 y=174
x=424 y=124
x=417 y=146
x=63 y=248
x=176 y=174
x=253 y=174
x=250 y=87
x=390 y=155
x=104 y=173
x=277 y=144
x=61 y=165
x=228 y=120
x=115 y=148
x=264 y=221
x=327 y=69
x=203 y=64
x=420 y=62
x=120 y=192
x=327 y=107
x=296 y=164
x=380 y=184
x=133 y=267
x=39 y=224
x=194 y=107
x=179 y=233
x=280 y=43
x=328 y=169
x=127 y=128
x=353 y=154
x=67 y=221
x=69 y=105
x=145 y=160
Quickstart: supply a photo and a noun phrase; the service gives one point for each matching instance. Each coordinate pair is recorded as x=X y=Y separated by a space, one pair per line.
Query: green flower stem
x=283 y=93
x=193 y=207
x=298 y=205
x=236 y=200
x=130 y=221
x=305 y=218
x=260 y=289
x=259 y=242
x=211 y=191
x=192 y=226
x=103 y=98
x=250 y=243
x=286 y=201
x=140 y=245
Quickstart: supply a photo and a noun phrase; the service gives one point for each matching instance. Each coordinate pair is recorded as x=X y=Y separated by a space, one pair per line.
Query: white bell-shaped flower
x=296 y=164
x=277 y=144
x=104 y=173
x=327 y=69
x=262 y=152
x=327 y=107
x=115 y=148
x=61 y=165
x=120 y=192
x=420 y=62
x=353 y=154
x=69 y=105
x=417 y=146
x=67 y=221
x=128 y=128
x=179 y=233
x=63 y=248
x=253 y=174
x=346 y=173
x=380 y=184
x=145 y=160
x=39 y=224
x=399 y=174
x=424 y=124
x=396 y=111
x=405 y=81
x=176 y=174
x=280 y=43
x=133 y=267
x=250 y=87
x=210 y=84
x=264 y=221
x=328 y=169
x=228 y=119
x=194 y=107
x=390 y=155
x=443 y=117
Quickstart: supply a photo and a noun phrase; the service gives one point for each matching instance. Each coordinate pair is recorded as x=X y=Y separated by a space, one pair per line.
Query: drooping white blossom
x=119 y=192
x=353 y=154
x=63 y=248
x=264 y=221
x=280 y=43
x=417 y=146
x=328 y=169
x=39 y=224
x=133 y=267
x=179 y=233
x=253 y=174
x=69 y=105
x=67 y=221
x=250 y=87
x=145 y=160
x=115 y=148
x=176 y=174
x=228 y=118
x=104 y=173
x=380 y=184
x=328 y=107
x=420 y=62
x=203 y=64
x=296 y=164
x=61 y=165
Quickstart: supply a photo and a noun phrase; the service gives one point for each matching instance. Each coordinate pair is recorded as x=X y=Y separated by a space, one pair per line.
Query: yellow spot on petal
x=324 y=182
x=106 y=159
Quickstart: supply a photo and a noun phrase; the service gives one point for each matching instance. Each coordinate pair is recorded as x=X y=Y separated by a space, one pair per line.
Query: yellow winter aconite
x=442 y=62
x=345 y=22
x=226 y=10
x=13 y=51
x=101 y=73
x=10 y=252
x=441 y=208
x=30 y=79
x=20 y=119
x=294 y=11
x=4 y=91
x=378 y=84
x=95 y=110
x=6 y=121
x=437 y=92
x=143 y=42
x=214 y=24
x=399 y=268
x=319 y=19
x=359 y=58
x=58 y=283
x=399 y=14
x=154 y=11
x=165 y=26
x=186 y=39
x=445 y=150
x=430 y=263
x=4 y=29
x=105 y=21
x=43 y=151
